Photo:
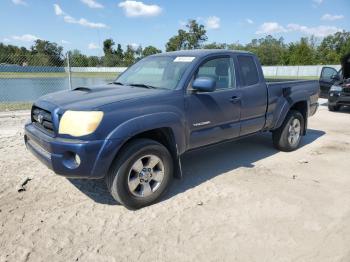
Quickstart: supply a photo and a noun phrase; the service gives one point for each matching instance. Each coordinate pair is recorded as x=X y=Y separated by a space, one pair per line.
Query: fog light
x=71 y=160
x=77 y=159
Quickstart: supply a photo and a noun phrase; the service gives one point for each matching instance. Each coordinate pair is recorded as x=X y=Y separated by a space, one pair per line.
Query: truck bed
x=282 y=92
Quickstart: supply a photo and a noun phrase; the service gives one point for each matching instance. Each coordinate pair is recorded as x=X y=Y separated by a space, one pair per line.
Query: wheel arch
x=300 y=106
x=164 y=136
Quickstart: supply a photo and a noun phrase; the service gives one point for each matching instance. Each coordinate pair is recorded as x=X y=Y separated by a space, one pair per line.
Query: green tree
x=150 y=50
x=108 y=45
x=333 y=47
x=215 y=45
x=129 y=56
x=178 y=41
x=193 y=38
x=196 y=34
x=119 y=54
x=46 y=53
x=78 y=59
x=301 y=53
x=94 y=61
x=271 y=51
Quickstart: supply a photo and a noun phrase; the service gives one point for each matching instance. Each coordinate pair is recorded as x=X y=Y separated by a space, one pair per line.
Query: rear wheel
x=333 y=108
x=140 y=174
x=287 y=137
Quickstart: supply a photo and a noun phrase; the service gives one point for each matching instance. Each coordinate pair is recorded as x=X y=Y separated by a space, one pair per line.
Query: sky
x=84 y=24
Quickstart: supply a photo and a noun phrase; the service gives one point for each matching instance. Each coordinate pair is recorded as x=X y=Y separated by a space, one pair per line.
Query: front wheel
x=333 y=108
x=287 y=137
x=140 y=174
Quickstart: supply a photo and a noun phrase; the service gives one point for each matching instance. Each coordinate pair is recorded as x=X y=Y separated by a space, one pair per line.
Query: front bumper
x=58 y=154
x=338 y=98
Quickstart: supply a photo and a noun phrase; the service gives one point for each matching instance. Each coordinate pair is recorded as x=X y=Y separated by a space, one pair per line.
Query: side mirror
x=204 y=84
x=335 y=77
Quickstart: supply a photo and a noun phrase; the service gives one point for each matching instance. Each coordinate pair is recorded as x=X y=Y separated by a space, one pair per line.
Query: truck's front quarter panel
x=90 y=156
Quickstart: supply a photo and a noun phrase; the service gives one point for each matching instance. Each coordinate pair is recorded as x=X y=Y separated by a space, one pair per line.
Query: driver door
x=214 y=116
x=327 y=80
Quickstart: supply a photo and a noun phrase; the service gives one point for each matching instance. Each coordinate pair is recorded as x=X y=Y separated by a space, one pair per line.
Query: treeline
x=270 y=50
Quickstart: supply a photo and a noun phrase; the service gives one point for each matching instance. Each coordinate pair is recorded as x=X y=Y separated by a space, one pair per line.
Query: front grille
x=346 y=90
x=42 y=119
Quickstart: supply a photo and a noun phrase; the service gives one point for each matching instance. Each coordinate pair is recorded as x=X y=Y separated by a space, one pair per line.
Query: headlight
x=79 y=123
x=336 y=88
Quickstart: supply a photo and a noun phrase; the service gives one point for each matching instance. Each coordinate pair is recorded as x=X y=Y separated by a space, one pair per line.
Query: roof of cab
x=202 y=52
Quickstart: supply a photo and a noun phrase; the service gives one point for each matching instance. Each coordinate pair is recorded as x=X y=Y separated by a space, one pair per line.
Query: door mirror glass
x=204 y=84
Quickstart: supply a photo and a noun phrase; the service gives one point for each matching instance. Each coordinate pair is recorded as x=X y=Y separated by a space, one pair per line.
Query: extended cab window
x=248 y=69
x=221 y=70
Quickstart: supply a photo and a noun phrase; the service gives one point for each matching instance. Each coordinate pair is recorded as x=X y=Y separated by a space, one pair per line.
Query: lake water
x=30 y=89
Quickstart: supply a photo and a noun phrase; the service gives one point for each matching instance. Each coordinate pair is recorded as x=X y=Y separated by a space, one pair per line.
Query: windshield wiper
x=117 y=83
x=143 y=85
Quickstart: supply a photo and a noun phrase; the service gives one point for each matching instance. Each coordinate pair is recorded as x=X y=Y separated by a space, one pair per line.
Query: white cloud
x=319 y=31
x=83 y=22
x=25 y=38
x=134 y=46
x=329 y=17
x=65 y=42
x=249 y=21
x=270 y=28
x=93 y=46
x=92 y=3
x=71 y=20
x=213 y=22
x=6 y=40
x=137 y=9
x=58 y=9
x=318 y=1
x=19 y=2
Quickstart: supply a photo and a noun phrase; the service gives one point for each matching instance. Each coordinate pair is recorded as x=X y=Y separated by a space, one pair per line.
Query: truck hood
x=88 y=98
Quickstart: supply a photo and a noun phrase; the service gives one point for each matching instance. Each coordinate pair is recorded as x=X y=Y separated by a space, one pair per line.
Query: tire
x=133 y=181
x=333 y=108
x=281 y=137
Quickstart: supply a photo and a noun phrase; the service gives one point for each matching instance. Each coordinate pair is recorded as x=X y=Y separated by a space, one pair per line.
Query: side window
x=221 y=70
x=248 y=69
x=328 y=72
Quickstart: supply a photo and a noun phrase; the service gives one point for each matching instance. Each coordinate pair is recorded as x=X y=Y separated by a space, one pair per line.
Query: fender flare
x=145 y=123
x=287 y=104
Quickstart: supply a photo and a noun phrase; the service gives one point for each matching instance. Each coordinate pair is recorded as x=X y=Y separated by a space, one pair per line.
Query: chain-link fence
x=24 y=78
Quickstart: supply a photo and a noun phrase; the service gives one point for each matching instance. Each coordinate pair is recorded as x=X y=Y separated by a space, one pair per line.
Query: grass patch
x=14 y=75
x=12 y=106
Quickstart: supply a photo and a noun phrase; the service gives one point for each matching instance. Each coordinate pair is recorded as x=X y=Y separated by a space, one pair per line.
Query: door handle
x=235 y=99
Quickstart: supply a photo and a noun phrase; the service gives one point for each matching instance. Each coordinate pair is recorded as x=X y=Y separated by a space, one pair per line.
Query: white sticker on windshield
x=184 y=59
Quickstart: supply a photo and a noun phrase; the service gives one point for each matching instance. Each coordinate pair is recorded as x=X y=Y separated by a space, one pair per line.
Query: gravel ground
x=240 y=201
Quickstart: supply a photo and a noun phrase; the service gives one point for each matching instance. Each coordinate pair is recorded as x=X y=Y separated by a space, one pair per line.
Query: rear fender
x=286 y=103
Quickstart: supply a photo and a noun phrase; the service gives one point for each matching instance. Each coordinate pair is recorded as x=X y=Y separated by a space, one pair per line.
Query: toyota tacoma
x=132 y=132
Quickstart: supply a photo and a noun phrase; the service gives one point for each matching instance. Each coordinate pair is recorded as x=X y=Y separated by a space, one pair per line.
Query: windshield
x=156 y=72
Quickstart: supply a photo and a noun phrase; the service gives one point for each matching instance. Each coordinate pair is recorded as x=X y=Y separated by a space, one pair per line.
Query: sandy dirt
x=240 y=201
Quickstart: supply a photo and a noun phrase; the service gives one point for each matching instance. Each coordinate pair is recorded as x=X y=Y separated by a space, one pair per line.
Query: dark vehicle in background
x=335 y=85
x=329 y=77
x=133 y=132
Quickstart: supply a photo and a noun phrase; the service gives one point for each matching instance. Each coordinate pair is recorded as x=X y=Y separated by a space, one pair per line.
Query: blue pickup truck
x=132 y=132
